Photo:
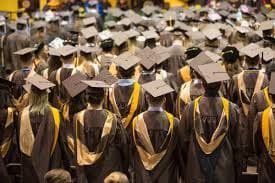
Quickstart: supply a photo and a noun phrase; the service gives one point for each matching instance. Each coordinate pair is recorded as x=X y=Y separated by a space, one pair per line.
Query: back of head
x=116 y=177
x=270 y=68
x=58 y=176
x=230 y=54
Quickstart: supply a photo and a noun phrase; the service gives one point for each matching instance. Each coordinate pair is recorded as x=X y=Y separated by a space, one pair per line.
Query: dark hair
x=20 y=26
x=252 y=61
x=270 y=68
x=95 y=96
x=230 y=54
x=154 y=101
x=125 y=74
x=192 y=52
x=58 y=176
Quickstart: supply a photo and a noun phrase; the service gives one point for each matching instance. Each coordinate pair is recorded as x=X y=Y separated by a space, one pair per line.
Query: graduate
x=210 y=127
x=126 y=97
x=154 y=136
x=38 y=131
x=101 y=142
x=19 y=76
x=263 y=139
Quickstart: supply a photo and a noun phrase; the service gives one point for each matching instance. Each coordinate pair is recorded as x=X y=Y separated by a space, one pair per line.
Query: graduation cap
x=89 y=21
x=252 y=50
x=242 y=29
x=267 y=25
x=177 y=50
x=170 y=17
x=110 y=24
x=106 y=77
x=125 y=21
x=201 y=59
x=96 y=84
x=134 y=17
x=211 y=33
x=271 y=15
x=89 y=32
x=126 y=60
x=54 y=52
x=22 y=21
x=150 y=35
x=195 y=36
x=105 y=35
x=147 y=58
x=215 y=57
x=73 y=84
x=157 y=88
x=230 y=54
x=25 y=51
x=37 y=81
x=85 y=49
x=213 y=72
x=39 y=25
x=268 y=54
x=224 y=13
x=148 y=10
x=119 y=38
x=132 y=33
x=116 y=12
x=271 y=88
x=161 y=54
x=67 y=50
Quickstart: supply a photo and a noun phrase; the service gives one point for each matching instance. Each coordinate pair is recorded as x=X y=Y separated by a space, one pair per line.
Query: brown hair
x=58 y=176
x=116 y=177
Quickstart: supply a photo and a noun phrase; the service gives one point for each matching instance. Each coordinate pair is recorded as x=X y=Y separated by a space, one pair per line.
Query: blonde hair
x=116 y=177
x=38 y=102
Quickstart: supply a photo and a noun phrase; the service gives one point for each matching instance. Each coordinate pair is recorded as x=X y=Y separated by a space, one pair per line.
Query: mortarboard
x=134 y=17
x=89 y=32
x=211 y=33
x=89 y=21
x=147 y=58
x=22 y=21
x=242 y=29
x=132 y=33
x=252 y=50
x=116 y=12
x=271 y=15
x=67 y=50
x=197 y=35
x=162 y=54
x=150 y=35
x=213 y=72
x=54 y=52
x=201 y=59
x=177 y=50
x=148 y=10
x=39 y=82
x=268 y=54
x=157 y=88
x=38 y=25
x=73 y=84
x=24 y=51
x=95 y=84
x=119 y=38
x=215 y=57
x=106 y=77
x=267 y=25
x=110 y=24
x=125 y=22
x=104 y=35
x=170 y=16
x=126 y=60
x=271 y=88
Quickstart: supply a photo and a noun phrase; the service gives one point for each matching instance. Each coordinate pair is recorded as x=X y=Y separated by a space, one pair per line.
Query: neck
x=95 y=107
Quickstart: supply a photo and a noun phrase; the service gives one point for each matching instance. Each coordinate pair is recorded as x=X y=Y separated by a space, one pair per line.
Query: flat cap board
x=54 y=52
x=267 y=25
x=39 y=82
x=24 y=51
x=89 y=21
x=104 y=35
x=170 y=15
x=201 y=59
x=67 y=50
x=213 y=72
x=106 y=77
x=147 y=58
x=211 y=33
x=119 y=38
x=271 y=88
x=73 y=84
x=132 y=33
x=125 y=21
x=252 y=50
x=38 y=25
x=268 y=54
x=150 y=35
x=126 y=60
x=148 y=10
x=215 y=57
x=157 y=88
x=89 y=32
x=111 y=24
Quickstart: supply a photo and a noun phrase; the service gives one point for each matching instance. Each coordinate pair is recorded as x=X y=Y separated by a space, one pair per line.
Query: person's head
x=125 y=74
x=270 y=68
x=230 y=54
x=5 y=94
x=166 y=39
x=107 y=45
x=252 y=61
x=26 y=56
x=67 y=53
x=155 y=101
x=211 y=89
x=192 y=52
x=95 y=96
x=38 y=100
x=58 y=176
x=116 y=177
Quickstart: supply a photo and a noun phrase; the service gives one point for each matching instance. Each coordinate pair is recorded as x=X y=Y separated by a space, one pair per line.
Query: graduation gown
x=221 y=162
x=38 y=137
x=92 y=166
x=188 y=92
x=242 y=92
x=17 y=41
x=9 y=151
x=162 y=134
x=126 y=101
x=266 y=163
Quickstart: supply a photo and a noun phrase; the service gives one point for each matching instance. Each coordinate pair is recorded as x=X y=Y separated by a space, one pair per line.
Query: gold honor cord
x=185 y=73
x=267 y=98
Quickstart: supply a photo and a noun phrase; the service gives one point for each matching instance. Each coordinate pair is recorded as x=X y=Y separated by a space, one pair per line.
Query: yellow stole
x=216 y=138
x=150 y=159
x=84 y=156
x=242 y=88
x=267 y=98
x=185 y=74
x=268 y=131
x=5 y=146
x=26 y=136
x=133 y=101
